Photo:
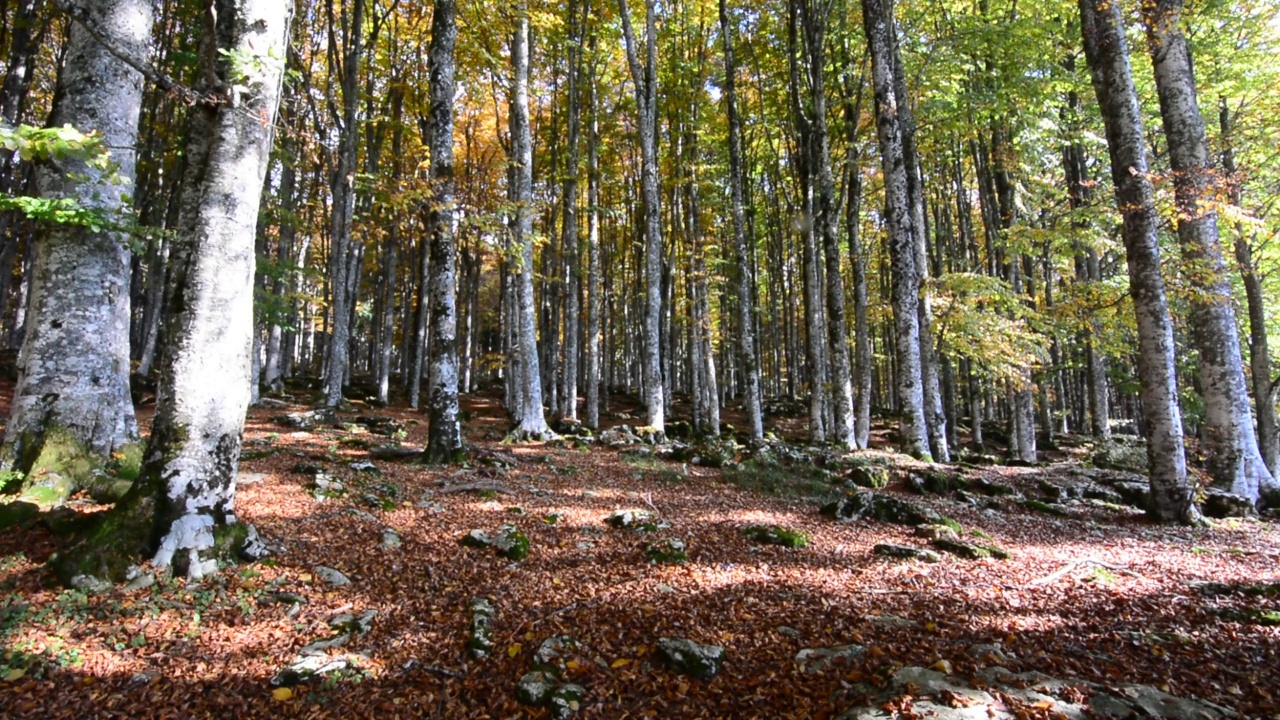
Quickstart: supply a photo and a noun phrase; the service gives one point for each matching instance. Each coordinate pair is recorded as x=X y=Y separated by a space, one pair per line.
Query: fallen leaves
x=208 y=649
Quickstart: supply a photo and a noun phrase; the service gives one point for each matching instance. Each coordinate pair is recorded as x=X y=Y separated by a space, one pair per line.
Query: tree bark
x=531 y=423
x=183 y=502
x=1108 y=56
x=73 y=369
x=1231 y=448
x=594 y=299
x=645 y=79
x=744 y=287
x=905 y=281
x=444 y=435
x=1264 y=387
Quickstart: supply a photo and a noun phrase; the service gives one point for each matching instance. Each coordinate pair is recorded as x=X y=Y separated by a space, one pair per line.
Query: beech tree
x=1108 y=55
x=72 y=396
x=444 y=441
x=182 y=507
x=1233 y=457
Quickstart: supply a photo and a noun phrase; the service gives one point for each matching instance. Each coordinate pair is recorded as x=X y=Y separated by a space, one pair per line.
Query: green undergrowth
x=793 y=483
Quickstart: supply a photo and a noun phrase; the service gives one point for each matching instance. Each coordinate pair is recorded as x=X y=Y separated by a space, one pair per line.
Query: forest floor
x=1098 y=594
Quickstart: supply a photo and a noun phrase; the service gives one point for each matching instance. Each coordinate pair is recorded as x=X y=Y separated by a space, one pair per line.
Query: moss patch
x=120 y=540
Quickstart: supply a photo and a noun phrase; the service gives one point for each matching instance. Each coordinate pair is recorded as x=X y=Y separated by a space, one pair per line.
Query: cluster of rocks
x=315 y=660
x=545 y=685
x=941 y=532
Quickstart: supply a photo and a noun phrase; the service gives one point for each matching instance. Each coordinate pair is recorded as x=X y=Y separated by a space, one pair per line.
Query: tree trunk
x=444 y=436
x=569 y=227
x=645 y=79
x=1232 y=453
x=531 y=423
x=905 y=281
x=73 y=369
x=183 y=502
x=1108 y=56
x=1259 y=349
x=744 y=286
x=344 y=201
x=594 y=299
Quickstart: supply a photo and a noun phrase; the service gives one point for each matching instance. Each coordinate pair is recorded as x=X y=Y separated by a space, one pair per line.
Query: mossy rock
x=123 y=536
x=641 y=520
x=879 y=506
x=511 y=543
x=1047 y=508
x=480 y=640
x=777 y=535
x=906 y=552
x=666 y=551
x=1127 y=456
x=691 y=658
x=126 y=461
x=869 y=476
x=109 y=490
x=17 y=513
x=991 y=488
x=934 y=481
x=971 y=551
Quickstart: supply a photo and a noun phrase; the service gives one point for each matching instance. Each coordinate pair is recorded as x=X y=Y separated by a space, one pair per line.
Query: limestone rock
x=879 y=506
x=667 y=550
x=777 y=535
x=906 y=552
x=971 y=551
x=331 y=577
x=480 y=640
x=691 y=658
x=816 y=660
x=390 y=539
x=1222 y=504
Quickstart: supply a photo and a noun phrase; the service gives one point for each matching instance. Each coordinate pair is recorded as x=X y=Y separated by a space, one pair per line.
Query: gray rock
x=1145 y=701
x=989 y=652
x=252 y=548
x=480 y=640
x=667 y=550
x=1223 y=504
x=319 y=646
x=971 y=551
x=554 y=652
x=565 y=700
x=535 y=688
x=330 y=576
x=893 y=621
x=691 y=658
x=308 y=420
x=632 y=519
x=1137 y=494
x=906 y=552
x=1128 y=456
x=390 y=539
x=363 y=515
x=816 y=660
x=356 y=624
x=879 y=506
x=303 y=668
x=141 y=582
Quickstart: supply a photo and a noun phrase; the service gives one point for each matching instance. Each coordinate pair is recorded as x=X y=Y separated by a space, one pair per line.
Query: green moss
x=669 y=550
x=126 y=461
x=954 y=525
x=1045 y=507
x=776 y=535
x=16 y=513
x=511 y=543
x=122 y=537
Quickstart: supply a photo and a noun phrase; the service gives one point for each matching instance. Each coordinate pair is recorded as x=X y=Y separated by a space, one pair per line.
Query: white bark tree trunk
x=73 y=369
x=1232 y=452
x=645 y=79
x=905 y=287
x=743 y=286
x=184 y=500
x=1108 y=56
x=531 y=422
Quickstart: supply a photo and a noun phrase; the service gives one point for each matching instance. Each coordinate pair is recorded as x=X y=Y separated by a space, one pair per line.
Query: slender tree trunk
x=569 y=227
x=905 y=280
x=594 y=299
x=645 y=79
x=185 y=497
x=744 y=287
x=344 y=201
x=1108 y=56
x=531 y=423
x=73 y=369
x=1264 y=387
x=1232 y=452
x=444 y=436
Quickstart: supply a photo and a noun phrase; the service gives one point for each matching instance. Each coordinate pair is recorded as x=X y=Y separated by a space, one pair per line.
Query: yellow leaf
x=930 y=627
x=305 y=577
x=942 y=666
x=572 y=665
x=282 y=694
x=514 y=650
x=14 y=674
x=641 y=649
x=556 y=581
x=620 y=662
x=529 y=636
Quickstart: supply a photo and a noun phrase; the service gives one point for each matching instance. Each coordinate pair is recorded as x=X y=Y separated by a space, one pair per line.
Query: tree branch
x=156 y=77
